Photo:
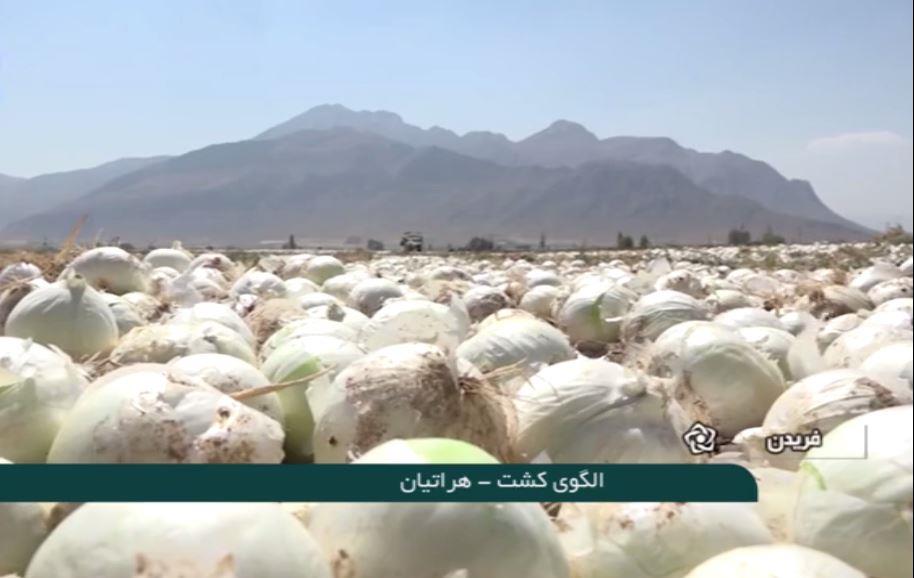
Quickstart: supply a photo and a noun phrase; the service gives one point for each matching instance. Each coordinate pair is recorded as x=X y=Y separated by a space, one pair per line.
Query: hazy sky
x=820 y=89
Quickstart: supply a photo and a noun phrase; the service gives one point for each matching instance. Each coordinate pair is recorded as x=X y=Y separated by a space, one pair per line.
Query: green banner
x=376 y=483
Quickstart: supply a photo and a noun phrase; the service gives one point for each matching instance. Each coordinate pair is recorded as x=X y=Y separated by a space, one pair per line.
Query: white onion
x=774 y=561
x=231 y=375
x=595 y=312
x=341 y=286
x=503 y=315
x=805 y=357
x=834 y=300
x=195 y=285
x=426 y=451
x=872 y=276
x=482 y=301
x=323 y=267
x=656 y=312
x=827 y=275
x=11 y=297
x=891 y=319
x=520 y=344
x=149 y=413
x=892 y=360
x=299 y=287
x=68 y=314
x=491 y=540
x=788 y=276
x=175 y=257
x=773 y=343
x=346 y=315
x=318 y=299
x=215 y=261
x=270 y=315
x=22 y=530
x=681 y=280
x=594 y=411
x=835 y=328
x=850 y=349
x=217 y=312
x=125 y=315
x=160 y=280
x=540 y=278
x=777 y=498
x=738 y=276
x=859 y=510
x=748 y=317
x=146 y=305
x=162 y=343
x=761 y=285
x=447 y=540
x=306 y=327
x=795 y=322
x=407 y=391
x=727 y=299
x=448 y=273
x=37 y=389
x=111 y=269
x=825 y=400
x=263 y=285
x=294 y=265
x=369 y=295
x=734 y=383
x=892 y=289
x=539 y=300
x=648 y=540
x=299 y=358
x=19 y=272
x=200 y=540
x=663 y=356
x=900 y=304
x=405 y=321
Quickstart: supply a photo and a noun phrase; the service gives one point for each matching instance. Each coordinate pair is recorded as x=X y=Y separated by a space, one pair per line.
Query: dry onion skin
x=149 y=413
x=409 y=390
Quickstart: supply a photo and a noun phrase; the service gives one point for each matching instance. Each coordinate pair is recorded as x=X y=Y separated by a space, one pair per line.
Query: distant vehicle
x=412 y=242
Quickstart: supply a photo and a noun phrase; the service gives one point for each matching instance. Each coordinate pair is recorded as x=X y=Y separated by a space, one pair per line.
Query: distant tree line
x=480 y=244
x=743 y=237
x=624 y=241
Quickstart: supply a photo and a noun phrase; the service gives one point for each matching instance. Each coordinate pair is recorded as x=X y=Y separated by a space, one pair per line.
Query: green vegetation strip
x=376 y=483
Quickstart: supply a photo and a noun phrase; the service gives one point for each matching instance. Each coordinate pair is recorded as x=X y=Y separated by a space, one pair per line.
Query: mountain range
x=20 y=197
x=331 y=173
